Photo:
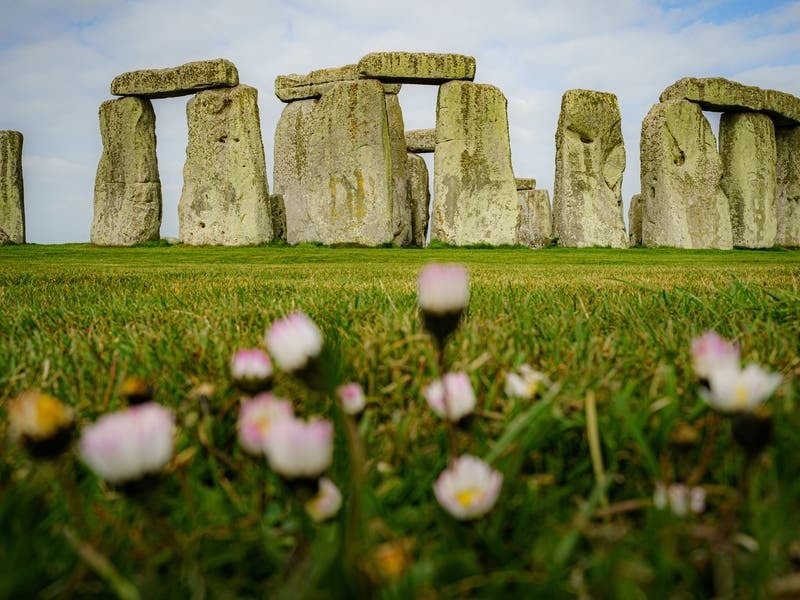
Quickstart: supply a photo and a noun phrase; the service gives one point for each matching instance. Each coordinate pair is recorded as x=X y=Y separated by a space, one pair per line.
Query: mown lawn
x=611 y=329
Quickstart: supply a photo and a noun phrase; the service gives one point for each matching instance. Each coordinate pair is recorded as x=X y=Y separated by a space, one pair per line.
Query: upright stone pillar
x=333 y=167
x=401 y=202
x=419 y=197
x=635 y=221
x=747 y=147
x=225 y=198
x=590 y=161
x=536 y=218
x=788 y=192
x=12 y=205
x=127 y=190
x=683 y=204
x=475 y=196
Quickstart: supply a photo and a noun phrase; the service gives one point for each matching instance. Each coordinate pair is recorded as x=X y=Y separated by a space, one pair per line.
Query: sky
x=57 y=60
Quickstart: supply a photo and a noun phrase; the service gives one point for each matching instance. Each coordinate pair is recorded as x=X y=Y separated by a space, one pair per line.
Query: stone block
x=333 y=167
x=127 y=191
x=590 y=161
x=419 y=196
x=720 y=95
x=225 y=197
x=747 y=148
x=12 y=198
x=525 y=183
x=401 y=203
x=787 y=143
x=421 y=141
x=278 y=212
x=416 y=67
x=289 y=88
x=475 y=194
x=176 y=81
x=635 y=221
x=683 y=205
x=536 y=218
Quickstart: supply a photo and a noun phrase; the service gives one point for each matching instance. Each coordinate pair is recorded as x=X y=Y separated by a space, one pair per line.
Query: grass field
x=611 y=329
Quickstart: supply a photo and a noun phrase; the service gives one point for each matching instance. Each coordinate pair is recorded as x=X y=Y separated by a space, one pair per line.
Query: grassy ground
x=613 y=327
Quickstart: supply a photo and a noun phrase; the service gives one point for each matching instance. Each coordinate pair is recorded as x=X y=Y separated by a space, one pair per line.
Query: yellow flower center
x=469 y=496
x=740 y=399
x=51 y=415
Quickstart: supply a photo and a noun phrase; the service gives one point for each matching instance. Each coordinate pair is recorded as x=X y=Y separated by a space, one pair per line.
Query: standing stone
x=127 y=189
x=788 y=195
x=278 y=213
x=401 y=202
x=12 y=205
x=536 y=219
x=590 y=161
x=475 y=197
x=333 y=167
x=683 y=205
x=225 y=198
x=635 y=221
x=747 y=148
x=419 y=196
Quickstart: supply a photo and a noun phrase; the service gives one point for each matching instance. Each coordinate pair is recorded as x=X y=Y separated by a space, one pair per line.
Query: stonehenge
x=347 y=172
x=742 y=194
x=225 y=198
x=12 y=205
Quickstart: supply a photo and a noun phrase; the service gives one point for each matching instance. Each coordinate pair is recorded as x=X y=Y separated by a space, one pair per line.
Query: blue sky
x=57 y=60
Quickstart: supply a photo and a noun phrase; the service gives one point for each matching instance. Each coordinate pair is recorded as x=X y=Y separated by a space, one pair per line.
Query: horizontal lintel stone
x=721 y=95
x=289 y=88
x=182 y=80
x=421 y=141
x=525 y=183
x=417 y=67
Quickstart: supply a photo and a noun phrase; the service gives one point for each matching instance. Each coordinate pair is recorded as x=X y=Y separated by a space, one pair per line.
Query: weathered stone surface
x=683 y=204
x=225 y=198
x=176 y=81
x=4 y=239
x=475 y=195
x=747 y=148
x=719 y=94
x=421 y=141
x=333 y=167
x=536 y=220
x=127 y=190
x=278 y=212
x=12 y=204
x=419 y=196
x=590 y=161
x=417 y=67
x=289 y=88
x=401 y=202
x=788 y=191
x=525 y=183
x=635 y=221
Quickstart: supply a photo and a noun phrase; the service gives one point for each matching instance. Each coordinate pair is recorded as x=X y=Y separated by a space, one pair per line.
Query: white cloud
x=58 y=59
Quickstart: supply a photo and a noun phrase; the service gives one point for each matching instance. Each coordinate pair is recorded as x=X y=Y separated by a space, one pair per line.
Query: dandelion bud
x=298 y=449
x=125 y=446
x=443 y=298
x=469 y=488
x=41 y=422
x=135 y=390
x=251 y=370
x=326 y=503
